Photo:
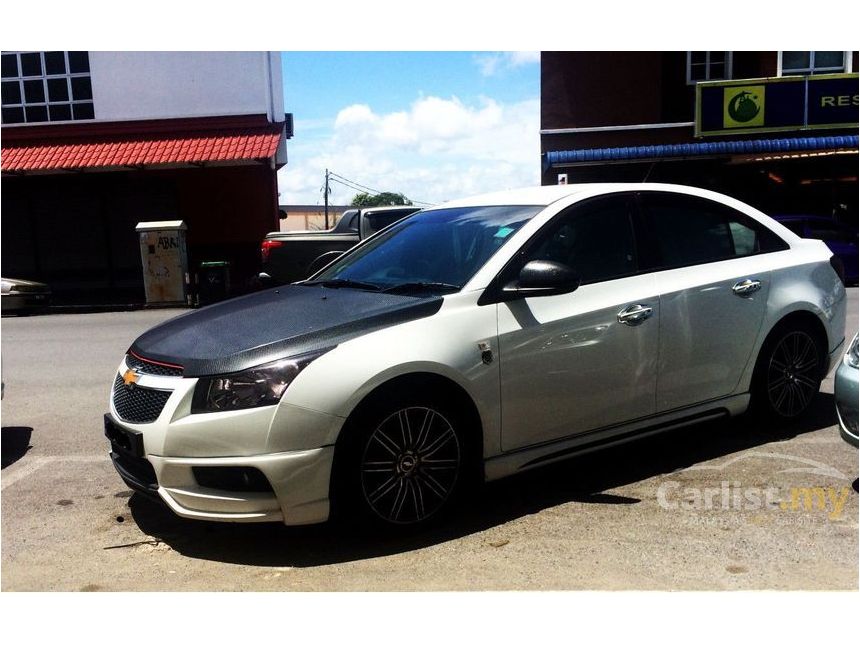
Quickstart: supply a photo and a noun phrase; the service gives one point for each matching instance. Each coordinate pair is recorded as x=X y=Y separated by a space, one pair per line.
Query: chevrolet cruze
x=472 y=341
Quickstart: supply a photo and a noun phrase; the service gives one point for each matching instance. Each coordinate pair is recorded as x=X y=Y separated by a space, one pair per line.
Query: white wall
x=164 y=85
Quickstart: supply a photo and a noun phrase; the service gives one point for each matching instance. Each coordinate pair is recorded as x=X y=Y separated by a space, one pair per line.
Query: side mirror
x=543 y=278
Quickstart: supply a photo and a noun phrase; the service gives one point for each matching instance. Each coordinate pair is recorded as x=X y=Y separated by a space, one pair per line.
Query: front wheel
x=404 y=465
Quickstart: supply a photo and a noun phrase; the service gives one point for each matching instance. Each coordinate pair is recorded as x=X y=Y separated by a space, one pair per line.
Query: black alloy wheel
x=410 y=465
x=793 y=374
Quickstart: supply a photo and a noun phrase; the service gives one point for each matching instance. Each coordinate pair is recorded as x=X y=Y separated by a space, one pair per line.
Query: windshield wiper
x=342 y=283
x=422 y=286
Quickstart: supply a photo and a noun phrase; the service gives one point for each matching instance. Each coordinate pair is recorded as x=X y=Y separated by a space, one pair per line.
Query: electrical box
x=164 y=258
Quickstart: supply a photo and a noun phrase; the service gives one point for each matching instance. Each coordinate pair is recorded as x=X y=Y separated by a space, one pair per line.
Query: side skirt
x=535 y=456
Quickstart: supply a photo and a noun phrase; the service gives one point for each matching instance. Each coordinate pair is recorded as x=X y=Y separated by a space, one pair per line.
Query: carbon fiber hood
x=265 y=326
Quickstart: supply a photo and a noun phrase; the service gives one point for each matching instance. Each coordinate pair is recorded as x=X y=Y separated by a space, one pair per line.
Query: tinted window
x=690 y=230
x=743 y=238
x=79 y=62
x=595 y=239
x=11 y=92
x=442 y=246
x=58 y=89
x=378 y=221
x=55 y=63
x=9 y=65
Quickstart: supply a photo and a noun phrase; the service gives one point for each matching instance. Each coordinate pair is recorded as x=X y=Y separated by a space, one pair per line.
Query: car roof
x=368 y=209
x=546 y=195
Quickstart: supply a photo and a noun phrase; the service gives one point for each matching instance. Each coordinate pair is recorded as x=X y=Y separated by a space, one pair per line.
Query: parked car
x=845 y=391
x=840 y=238
x=294 y=255
x=23 y=297
x=473 y=341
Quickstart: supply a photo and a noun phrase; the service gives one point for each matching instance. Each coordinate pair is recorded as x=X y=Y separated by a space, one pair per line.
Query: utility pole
x=325 y=192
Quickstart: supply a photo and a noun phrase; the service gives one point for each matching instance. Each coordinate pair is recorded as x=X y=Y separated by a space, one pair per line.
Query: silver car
x=473 y=341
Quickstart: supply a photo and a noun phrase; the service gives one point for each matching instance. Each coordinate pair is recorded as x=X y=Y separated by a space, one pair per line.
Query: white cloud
x=439 y=149
x=492 y=64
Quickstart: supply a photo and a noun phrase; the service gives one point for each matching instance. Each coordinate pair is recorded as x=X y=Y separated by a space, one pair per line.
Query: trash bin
x=164 y=259
x=213 y=282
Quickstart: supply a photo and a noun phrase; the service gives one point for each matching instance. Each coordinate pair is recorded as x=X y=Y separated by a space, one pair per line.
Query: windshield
x=439 y=249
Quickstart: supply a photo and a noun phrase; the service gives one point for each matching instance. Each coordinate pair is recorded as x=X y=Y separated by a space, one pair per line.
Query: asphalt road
x=705 y=507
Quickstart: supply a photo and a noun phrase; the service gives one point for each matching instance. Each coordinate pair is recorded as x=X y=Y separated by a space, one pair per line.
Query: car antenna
x=648 y=174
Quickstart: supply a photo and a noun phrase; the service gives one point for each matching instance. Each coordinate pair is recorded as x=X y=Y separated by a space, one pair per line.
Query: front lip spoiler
x=148 y=490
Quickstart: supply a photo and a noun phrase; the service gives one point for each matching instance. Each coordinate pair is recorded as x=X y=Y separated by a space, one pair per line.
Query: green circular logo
x=744 y=107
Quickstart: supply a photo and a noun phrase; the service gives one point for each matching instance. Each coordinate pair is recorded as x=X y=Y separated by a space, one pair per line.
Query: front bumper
x=178 y=458
x=845 y=391
x=299 y=482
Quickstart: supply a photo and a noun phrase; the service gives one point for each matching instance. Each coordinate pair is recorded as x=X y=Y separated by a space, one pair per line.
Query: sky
x=434 y=126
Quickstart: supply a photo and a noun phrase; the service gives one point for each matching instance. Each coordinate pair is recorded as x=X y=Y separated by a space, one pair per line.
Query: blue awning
x=708 y=148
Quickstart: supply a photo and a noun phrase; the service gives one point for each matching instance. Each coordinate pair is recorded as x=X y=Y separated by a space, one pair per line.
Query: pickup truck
x=295 y=255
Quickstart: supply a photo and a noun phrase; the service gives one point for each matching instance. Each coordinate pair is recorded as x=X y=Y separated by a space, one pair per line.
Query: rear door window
x=687 y=230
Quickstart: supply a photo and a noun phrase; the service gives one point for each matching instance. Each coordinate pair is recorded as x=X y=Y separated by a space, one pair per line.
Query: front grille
x=147 y=367
x=138 y=404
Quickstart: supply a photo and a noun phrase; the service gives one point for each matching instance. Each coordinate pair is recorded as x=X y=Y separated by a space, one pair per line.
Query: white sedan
x=473 y=341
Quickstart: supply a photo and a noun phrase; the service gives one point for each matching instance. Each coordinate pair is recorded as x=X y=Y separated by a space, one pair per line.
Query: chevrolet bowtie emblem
x=130 y=378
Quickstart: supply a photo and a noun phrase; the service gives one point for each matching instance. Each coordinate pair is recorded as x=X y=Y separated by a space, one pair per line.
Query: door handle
x=746 y=287
x=634 y=314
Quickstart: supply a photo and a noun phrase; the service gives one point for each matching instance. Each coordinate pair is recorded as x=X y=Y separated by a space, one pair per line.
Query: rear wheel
x=403 y=465
x=788 y=374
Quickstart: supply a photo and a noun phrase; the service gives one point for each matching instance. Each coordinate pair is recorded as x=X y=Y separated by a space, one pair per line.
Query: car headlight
x=851 y=357
x=251 y=388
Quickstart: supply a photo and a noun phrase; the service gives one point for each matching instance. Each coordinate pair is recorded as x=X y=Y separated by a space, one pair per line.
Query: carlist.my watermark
x=734 y=496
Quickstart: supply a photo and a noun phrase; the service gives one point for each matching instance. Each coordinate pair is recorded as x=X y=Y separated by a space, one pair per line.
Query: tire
x=788 y=372
x=403 y=463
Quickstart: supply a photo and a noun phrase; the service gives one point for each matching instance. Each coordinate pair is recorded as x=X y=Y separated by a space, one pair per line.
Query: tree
x=363 y=200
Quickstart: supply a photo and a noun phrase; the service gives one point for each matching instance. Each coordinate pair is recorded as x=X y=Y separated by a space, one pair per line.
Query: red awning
x=143 y=150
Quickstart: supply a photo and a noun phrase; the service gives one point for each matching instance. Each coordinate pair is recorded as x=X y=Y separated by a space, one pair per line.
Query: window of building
x=40 y=87
x=805 y=63
x=708 y=66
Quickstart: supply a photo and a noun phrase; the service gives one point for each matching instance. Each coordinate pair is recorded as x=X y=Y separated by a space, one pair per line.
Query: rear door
x=713 y=293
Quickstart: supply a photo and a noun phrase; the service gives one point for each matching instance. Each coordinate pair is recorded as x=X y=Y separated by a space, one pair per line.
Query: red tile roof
x=142 y=150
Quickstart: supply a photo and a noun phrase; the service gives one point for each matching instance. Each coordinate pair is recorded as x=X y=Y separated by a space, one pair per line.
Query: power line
x=372 y=190
x=354 y=185
x=349 y=184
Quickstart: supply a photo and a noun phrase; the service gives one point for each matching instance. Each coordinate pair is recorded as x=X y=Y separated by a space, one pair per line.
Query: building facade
x=95 y=142
x=775 y=129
